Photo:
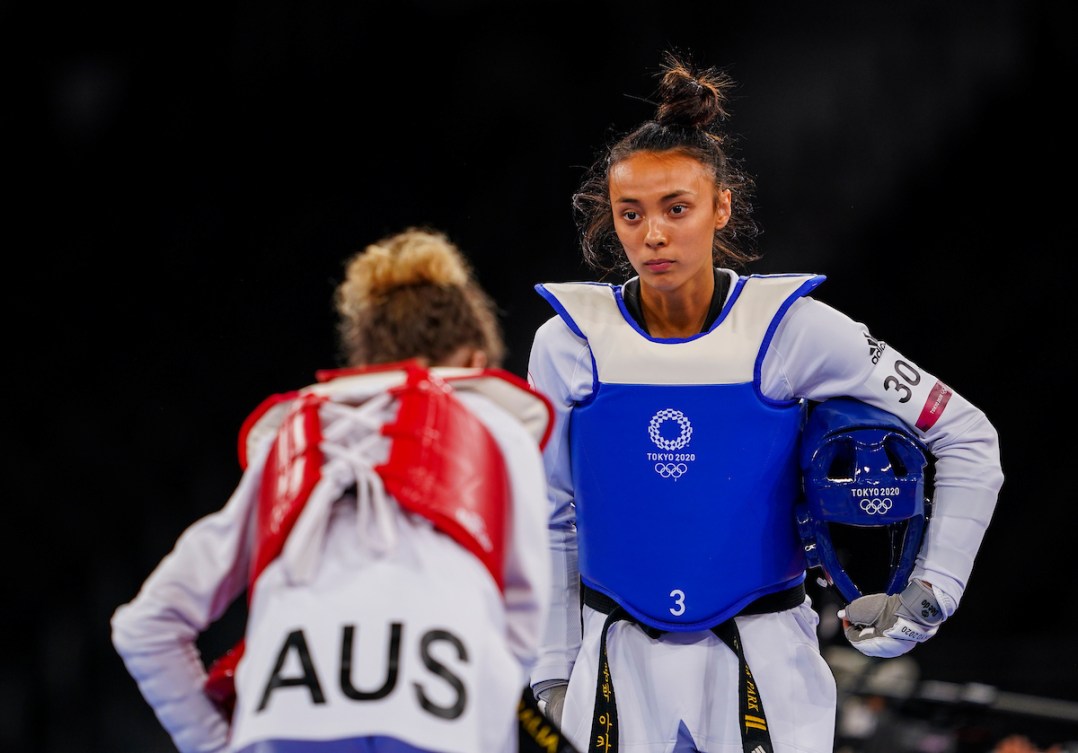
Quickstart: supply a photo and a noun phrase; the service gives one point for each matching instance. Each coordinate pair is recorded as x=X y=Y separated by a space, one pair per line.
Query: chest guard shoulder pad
x=444 y=465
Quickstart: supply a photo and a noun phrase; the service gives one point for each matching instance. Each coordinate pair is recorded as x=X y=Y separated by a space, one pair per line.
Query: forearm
x=957 y=527
x=170 y=677
x=156 y=632
x=561 y=635
x=968 y=478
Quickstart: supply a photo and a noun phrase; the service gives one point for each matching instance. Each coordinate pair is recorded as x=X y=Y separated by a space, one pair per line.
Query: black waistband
x=779 y=601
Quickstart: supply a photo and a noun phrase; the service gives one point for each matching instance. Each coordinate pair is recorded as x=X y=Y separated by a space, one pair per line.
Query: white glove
x=551 y=698
x=889 y=626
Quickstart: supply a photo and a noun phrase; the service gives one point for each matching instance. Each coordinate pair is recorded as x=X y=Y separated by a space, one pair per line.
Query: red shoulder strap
x=293 y=468
x=445 y=465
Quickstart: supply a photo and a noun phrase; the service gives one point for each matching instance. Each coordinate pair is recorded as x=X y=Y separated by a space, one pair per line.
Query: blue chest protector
x=685 y=477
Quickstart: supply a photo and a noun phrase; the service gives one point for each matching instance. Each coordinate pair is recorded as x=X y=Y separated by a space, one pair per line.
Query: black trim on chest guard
x=630 y=292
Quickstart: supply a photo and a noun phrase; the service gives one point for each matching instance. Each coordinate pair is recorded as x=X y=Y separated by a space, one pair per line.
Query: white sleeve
x=527 y=563
x=560 y=367
x=155 y=633
x=819 y=353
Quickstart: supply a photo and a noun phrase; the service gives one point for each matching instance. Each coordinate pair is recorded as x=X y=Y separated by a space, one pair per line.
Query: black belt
x=754 y=735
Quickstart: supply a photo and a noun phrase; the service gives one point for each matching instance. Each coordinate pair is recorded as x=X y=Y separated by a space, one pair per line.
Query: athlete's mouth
x=659 y=265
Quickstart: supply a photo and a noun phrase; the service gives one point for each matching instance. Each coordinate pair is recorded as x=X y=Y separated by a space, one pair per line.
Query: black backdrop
x=185 y=183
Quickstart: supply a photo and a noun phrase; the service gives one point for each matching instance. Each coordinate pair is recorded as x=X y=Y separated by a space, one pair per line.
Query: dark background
x=185 y=183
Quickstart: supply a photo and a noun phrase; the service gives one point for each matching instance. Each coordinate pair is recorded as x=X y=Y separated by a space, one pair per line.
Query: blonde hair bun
x=413 y=257
x=413 y=294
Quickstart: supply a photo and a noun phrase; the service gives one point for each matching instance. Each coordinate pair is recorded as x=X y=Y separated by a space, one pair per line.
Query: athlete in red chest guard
x=388 y=531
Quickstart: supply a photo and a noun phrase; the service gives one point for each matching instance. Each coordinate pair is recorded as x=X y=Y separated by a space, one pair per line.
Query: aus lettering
x=429 y=643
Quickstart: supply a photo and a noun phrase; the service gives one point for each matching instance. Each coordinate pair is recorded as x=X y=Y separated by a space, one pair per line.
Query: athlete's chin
x=663 y=281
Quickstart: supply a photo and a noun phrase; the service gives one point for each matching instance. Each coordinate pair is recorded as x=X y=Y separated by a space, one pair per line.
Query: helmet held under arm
x=862 y=469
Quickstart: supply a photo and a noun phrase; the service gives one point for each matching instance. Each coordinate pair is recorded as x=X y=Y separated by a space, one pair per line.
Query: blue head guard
x=862 y=467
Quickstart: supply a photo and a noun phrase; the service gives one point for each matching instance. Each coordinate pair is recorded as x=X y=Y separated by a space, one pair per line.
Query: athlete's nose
x=656 y=235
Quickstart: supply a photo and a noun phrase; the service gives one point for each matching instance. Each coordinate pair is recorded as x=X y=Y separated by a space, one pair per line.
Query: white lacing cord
x=351 y=437
x=351 y=434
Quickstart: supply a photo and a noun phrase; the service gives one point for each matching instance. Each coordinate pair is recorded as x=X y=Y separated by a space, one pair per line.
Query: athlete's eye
x=630 y=215
x=679 y=209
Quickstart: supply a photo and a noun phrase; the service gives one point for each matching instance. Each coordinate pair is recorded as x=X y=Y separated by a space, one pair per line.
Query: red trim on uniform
x=933 y=408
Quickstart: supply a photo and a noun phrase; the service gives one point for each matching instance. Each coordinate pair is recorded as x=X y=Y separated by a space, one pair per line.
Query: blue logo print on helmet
x=861 y=467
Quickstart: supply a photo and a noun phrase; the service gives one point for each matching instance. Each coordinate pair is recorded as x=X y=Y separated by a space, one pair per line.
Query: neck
x=677 y=313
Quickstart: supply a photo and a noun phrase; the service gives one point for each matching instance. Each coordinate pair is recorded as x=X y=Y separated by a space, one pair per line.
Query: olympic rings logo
x=876 y=506
x=671 y=470
x=669 y=414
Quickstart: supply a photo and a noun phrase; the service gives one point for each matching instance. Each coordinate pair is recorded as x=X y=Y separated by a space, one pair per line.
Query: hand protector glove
x=552 y=700
x=889 y=626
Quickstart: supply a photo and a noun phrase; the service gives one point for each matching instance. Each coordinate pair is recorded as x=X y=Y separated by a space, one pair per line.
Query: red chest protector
x=443 y=464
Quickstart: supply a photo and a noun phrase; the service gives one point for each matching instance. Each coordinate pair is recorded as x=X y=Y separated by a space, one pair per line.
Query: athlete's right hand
x=552 y=700
x=889 y=626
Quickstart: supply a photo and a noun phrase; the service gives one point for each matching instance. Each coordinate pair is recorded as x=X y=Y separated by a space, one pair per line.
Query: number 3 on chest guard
x=679 y=602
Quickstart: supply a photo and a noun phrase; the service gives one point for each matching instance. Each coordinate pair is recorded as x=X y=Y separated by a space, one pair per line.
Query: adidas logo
x=875 y=348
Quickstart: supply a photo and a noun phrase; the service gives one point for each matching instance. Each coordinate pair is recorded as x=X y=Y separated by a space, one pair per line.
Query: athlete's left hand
x=889 y=626
x=552 y=699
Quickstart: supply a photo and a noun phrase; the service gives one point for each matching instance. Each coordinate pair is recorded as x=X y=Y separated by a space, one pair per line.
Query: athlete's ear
x=479 y=359
x=722 y=208
x=466 y=357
